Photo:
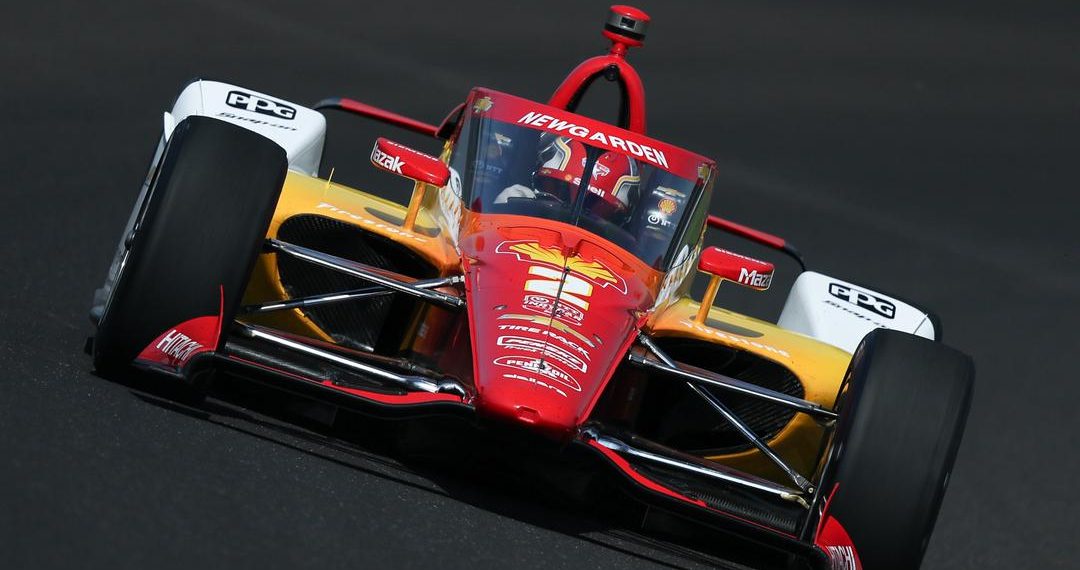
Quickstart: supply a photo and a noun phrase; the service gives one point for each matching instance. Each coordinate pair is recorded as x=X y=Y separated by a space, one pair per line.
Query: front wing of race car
x=778 y=516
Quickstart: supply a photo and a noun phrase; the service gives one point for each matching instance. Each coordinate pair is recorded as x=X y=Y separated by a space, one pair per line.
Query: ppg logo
x=863 y=299
x=254 y=103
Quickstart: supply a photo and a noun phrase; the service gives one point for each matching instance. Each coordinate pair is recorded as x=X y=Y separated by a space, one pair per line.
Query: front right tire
x=900 y=426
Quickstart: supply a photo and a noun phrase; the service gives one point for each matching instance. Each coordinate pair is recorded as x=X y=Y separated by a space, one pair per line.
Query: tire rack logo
x=544 y=349
x=262 y=105
x=545 y=305
x=539 y=366
x=177 y=346
x=545 y=326
x=863 y=300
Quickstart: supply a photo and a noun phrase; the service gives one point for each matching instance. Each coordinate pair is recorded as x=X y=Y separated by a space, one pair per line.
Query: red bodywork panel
x=738 y=268
x=404 y=161
x=173 y=349
x=552 y=311
x=832 y=539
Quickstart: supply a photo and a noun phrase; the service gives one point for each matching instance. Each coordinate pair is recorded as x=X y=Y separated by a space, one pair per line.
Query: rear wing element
x=841 y=313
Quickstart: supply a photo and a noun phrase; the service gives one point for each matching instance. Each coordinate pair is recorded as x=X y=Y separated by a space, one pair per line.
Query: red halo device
x=625 y=27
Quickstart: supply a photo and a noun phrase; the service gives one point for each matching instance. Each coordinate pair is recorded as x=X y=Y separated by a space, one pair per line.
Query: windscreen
x=508 y=168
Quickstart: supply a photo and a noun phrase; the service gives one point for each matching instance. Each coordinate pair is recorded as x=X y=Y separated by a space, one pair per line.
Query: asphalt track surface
x=929 y=150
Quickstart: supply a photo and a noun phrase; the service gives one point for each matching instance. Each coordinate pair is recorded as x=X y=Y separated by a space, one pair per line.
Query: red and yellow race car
x=539 y=280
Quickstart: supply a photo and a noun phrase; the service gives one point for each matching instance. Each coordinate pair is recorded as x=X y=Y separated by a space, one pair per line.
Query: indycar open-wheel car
x=539 y=277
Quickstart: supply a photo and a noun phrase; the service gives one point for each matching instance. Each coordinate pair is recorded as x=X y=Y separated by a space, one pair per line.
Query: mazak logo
x=388 y=161
x=755 y=279
x=863 y=300
x=256 y=104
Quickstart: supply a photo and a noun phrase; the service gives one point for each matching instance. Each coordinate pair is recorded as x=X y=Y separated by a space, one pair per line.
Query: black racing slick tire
x=200 y=230
x=900 y=426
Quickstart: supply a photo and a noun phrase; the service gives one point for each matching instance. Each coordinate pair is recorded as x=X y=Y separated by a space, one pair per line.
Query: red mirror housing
x=404 y=161
x=741 y=269
x=723 y=264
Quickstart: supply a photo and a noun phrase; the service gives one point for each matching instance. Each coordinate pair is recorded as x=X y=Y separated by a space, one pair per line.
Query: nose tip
x=527 y=414
x=554 y=421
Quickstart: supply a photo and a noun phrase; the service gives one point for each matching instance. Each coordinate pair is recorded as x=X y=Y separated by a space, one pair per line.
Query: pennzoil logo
x=539 y=366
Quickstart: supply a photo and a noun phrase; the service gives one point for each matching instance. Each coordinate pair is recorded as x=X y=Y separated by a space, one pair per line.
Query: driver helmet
x=613 y=186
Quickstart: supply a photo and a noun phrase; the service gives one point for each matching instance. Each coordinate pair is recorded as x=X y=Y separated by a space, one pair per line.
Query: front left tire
x=193 y=246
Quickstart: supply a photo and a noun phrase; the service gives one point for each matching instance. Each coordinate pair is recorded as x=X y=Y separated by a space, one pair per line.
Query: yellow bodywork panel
x=304 y=194
x=819 y=367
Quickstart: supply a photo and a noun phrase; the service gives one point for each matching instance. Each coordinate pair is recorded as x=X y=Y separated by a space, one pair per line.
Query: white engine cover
x=299 y=130
x=842 y=313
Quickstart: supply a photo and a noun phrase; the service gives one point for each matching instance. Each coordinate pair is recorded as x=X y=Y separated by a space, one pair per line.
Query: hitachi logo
x=550 y=123
x=177 y=346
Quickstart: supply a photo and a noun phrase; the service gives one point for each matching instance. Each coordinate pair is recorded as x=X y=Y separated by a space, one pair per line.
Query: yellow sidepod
x=819 y=367
x=304 y=194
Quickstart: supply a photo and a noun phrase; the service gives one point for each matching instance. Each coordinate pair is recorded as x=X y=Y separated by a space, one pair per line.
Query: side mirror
x=404 y=161
x=730 y=266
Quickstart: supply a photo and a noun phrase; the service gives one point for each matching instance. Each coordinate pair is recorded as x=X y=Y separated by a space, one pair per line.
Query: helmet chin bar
x=625 y=27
